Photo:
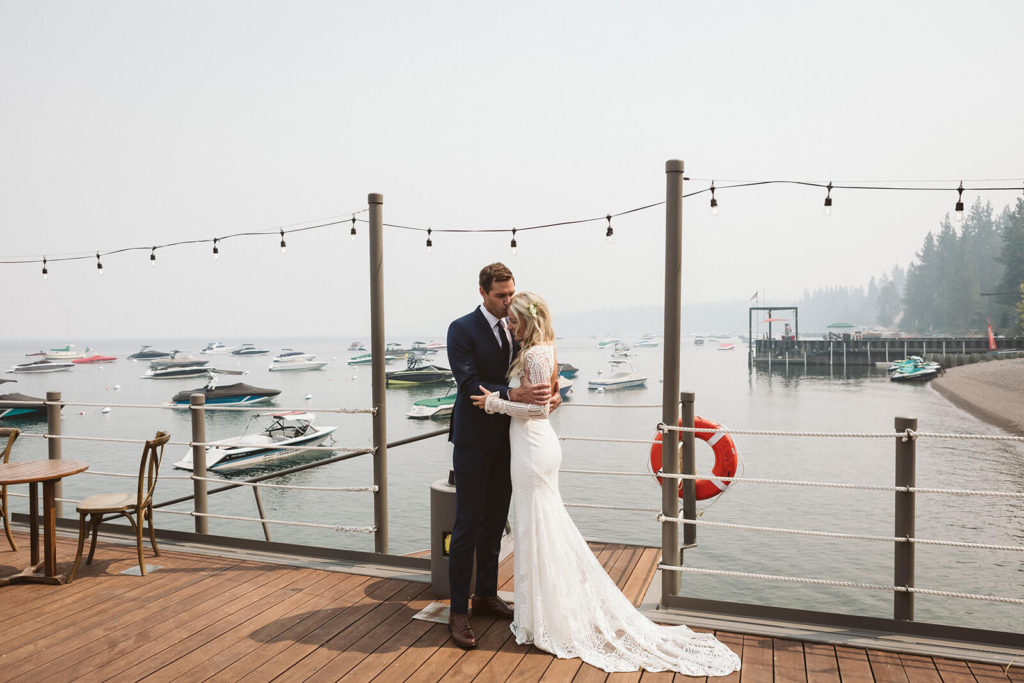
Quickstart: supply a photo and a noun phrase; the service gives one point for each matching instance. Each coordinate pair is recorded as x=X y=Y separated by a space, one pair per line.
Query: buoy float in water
x=117 y=387
x=106 y=410
x=309 y=396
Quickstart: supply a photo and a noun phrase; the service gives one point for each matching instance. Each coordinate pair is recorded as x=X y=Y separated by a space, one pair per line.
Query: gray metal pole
x=686 y=400
x=379 y=400
x=197 y=409
x=263 y=514
x=903 y=565
x=53 y=446
x=670 y=555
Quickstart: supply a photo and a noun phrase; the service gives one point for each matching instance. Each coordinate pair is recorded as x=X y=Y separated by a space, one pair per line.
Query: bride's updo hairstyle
x=535 y=322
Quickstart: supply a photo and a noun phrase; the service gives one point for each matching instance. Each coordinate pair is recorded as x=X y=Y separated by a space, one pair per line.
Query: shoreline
x=992 y=391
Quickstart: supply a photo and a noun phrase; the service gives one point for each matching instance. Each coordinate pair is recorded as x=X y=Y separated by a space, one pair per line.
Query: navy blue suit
x=483 y=487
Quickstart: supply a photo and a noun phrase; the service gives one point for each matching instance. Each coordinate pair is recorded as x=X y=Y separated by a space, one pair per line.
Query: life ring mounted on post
x=726 y=458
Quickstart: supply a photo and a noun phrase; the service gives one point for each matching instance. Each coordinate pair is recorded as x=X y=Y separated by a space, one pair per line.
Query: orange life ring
x=726 y=458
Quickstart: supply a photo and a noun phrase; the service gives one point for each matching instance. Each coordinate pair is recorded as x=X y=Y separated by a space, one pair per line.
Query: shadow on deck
x=201 y=616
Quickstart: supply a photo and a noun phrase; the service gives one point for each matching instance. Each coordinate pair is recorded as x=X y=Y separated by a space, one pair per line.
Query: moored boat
x=437 y=408
x=568 y=370
x=417 y=373
x=149 y=353
x=249 y=350
x=66 y=352
x=914 y=369
x=231 y=394
x=281 y=435
x=298 y=364
x=42 y=365
x=289 y=355
x=623 y=376
x=217 y=347
x=726 y=346
x=94 y=358
x=17 y=406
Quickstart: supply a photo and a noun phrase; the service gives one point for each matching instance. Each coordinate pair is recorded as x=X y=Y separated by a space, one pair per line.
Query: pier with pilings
x=854 y=350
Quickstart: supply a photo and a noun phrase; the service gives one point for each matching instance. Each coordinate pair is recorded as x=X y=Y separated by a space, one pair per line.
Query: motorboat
x=621 y=350
x=367 y=359
x=289 y=355
x=395 y=350
x=608 y=341
x=437 y=346
x=177 y=361
x=17 y=406
x=177 y=372
x=231 y=394
x=216 y=347
x=42 y=365
x=726 y=346
x=300 y=363
x=422 y=348
x=623 y=376
x=914 y=369
x=565 y=387
x=437 y=408
x=646 y=340
x=95 y=358
x=149 y=353
x=567 y=370
x=418 y=372
x=698 y=341
x=249 y=350
x=66 y=352
x=356 y=346
x=280 y=435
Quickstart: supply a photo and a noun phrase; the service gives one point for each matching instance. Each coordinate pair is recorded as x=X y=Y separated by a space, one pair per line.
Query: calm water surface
x=858 y=400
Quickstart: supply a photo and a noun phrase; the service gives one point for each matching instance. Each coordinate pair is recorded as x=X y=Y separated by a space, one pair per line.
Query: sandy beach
x=992 y=391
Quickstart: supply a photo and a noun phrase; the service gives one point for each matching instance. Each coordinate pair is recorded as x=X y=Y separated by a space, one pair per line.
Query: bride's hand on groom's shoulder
x=481 y=400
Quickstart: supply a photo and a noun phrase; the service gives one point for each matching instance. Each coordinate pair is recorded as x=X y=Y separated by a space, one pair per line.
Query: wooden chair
x=11 y=433
x=136 y=506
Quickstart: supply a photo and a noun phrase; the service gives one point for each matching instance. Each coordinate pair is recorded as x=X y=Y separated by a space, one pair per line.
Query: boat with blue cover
x=230 y=394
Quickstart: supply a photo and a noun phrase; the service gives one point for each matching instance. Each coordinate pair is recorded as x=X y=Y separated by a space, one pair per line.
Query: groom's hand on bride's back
x=538 y=394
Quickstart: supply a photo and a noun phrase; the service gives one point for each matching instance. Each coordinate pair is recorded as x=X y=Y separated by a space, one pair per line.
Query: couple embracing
x=504 y=359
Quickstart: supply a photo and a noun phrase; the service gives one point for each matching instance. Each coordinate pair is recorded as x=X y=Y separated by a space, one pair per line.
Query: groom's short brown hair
x=495 y=272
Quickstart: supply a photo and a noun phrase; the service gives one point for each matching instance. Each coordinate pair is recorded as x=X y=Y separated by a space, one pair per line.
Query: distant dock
x=854 y=350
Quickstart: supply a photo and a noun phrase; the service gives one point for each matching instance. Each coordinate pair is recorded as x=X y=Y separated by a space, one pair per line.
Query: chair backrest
x=11 y=433
x=149 y=468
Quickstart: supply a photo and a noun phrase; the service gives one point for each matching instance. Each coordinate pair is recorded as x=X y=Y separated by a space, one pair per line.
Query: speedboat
x=608 y=340
x=356 y=346
x=646 y=340
x=726 y=346
x=95 y=358
x=623 y=376
x=66 y=352
x=438 y=408
x=621 y=350
x=289 y=355
x=422 y=348
x=21 y=407
x=437 y=346
x=176 y=361
x=300 y=363
x=565 y=387
x=367 y=359
x=249 y=350
x=42 y=366
x=217 y=347
x=177 y=372
x=568 y=370
x=281 y=435
x=417 y=372
x=149 y=353
x=914 y=369
x=698 y=341
x=231 y=394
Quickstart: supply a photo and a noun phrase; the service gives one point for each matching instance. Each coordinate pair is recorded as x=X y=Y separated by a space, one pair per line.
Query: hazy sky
x=132 y=124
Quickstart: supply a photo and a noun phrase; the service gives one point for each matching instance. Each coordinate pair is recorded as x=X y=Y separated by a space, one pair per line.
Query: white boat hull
x=254 y=449
x=297 y=365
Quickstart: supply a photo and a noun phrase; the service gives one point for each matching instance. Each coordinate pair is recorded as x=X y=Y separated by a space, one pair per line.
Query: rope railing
x=263 y=520
x=908 y=434
x=839 y=584
x=251 y=408
x=260 y=484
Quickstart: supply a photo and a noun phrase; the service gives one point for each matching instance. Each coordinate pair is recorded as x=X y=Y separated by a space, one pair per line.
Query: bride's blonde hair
x=534 y=321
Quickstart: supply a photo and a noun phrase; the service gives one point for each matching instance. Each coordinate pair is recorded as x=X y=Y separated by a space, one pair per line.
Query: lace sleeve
x=539 y=368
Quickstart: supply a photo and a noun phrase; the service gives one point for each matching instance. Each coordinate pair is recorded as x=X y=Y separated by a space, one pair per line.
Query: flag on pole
x=991 y=339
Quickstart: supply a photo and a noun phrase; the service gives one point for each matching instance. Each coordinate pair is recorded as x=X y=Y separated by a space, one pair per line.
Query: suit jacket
x=474 y=355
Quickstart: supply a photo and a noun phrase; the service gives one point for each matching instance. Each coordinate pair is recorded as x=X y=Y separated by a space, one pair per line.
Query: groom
x=480 y=350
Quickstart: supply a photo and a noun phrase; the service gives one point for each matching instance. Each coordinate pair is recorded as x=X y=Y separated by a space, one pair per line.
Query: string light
x=99 y=264
x=828 y=200
x=216 y=251
x=353 y=233
x=152 y=257
x=284 y=247
x=513 y=244
x=46 y=273
x=714 y=202
x=959 y=209
x=430 y=242
x=609 y=233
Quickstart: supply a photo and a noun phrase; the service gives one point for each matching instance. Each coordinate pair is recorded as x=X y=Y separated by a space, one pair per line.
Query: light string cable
x=279 y=231
x=713 y=187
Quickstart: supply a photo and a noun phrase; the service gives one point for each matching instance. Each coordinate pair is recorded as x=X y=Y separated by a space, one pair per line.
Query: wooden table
x=49 y=472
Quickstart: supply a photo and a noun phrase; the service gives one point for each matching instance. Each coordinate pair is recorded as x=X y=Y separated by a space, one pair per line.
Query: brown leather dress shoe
x=492 y=606
x=462 y=634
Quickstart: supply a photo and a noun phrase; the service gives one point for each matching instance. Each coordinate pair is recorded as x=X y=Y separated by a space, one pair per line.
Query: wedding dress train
x=565 y=602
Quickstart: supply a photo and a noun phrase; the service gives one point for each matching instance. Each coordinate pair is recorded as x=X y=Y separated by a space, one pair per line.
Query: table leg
x=33 y=521
x=50 y=527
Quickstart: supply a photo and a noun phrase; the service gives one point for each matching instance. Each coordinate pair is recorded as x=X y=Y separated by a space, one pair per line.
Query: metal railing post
x=259 y=508
x=379 y=400
x=53 y=446
x=686 y=400
x=670 y=554
x=197 y=409
x=903 y=564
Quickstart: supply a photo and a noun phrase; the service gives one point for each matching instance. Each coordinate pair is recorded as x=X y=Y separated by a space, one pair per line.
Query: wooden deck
x=213 y=618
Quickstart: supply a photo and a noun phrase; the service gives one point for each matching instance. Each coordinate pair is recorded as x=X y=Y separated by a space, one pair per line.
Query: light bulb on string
x=828 y=200
x=430 y=243
x=959 y=209
x=353 y=233
x=99 y=264
x=609 y=233
x=46 y=273
x=216 y=251
x=284 y=247
x=714 y=202
x=513 y=243
x=152 y=257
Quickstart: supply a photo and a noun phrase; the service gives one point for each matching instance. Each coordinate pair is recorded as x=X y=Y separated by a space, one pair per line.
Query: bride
x=565 y=603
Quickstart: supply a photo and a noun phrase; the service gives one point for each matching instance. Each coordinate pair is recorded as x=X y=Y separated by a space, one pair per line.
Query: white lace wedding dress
x=565 y=602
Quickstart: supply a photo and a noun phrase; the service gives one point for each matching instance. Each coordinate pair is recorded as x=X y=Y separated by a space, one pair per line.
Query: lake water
x=860 y=400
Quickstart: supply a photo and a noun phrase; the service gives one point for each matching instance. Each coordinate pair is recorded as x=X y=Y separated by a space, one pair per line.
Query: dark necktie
x=505 y=349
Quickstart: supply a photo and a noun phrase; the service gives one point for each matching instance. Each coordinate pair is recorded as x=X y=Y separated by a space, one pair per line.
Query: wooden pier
x=203 y=616
x=850 y=350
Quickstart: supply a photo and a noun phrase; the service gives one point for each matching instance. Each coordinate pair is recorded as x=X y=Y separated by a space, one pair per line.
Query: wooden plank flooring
x=219 y=619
